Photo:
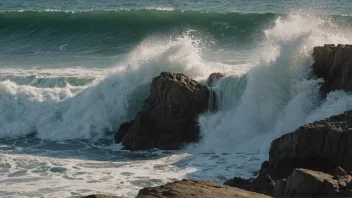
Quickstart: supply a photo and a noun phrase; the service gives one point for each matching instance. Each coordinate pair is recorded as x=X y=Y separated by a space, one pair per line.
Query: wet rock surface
x=168 y=119
x=213 y=78
x=334 y=65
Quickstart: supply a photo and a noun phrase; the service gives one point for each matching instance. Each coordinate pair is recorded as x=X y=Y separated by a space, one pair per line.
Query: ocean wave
x=272 y=95
x=151 y=17
x=118 y=31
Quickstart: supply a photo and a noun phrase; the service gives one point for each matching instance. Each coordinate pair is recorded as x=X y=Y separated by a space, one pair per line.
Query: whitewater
x=65 y=87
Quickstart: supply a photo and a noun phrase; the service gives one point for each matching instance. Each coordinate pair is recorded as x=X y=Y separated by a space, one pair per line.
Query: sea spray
x=280 y=94
x=58 y=114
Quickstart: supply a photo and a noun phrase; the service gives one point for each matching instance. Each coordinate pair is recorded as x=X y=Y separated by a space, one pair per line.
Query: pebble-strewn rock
x=168 y=119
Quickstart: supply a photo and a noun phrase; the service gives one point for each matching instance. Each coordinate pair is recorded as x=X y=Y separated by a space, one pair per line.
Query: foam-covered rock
x=213 y=78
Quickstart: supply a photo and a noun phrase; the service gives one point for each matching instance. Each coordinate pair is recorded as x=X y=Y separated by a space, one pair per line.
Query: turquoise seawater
x=71 y=71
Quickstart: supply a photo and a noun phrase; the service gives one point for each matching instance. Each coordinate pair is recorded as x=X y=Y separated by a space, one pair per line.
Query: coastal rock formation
x=213 y=78
x=321 y=146
x=262 y=184
x=168 y=119
x=308 y=183
x=196 y=189
x=334 y=65
x=211 y=81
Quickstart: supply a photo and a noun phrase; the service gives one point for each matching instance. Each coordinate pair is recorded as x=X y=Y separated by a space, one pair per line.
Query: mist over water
x=278 y=94
x=70 y=77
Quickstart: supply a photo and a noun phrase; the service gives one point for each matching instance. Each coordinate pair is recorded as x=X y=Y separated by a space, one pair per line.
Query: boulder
x=322 y=146
x=279 y=188
x=308 y=183
x=262 y=184
x=168 y=118
x=213 y=78
x=238 y=182
x=196 y=189
x=334 y=65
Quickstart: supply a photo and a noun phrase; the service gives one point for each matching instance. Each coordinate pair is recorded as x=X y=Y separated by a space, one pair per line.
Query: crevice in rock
x=344 y=149
x=323 y=144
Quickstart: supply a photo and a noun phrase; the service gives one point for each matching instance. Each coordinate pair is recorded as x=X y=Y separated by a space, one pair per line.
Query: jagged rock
x=196 y=189
x=265 y=165
x=122 y=131
x=339 y=172
x=334 y=65
x=168 y=119
x=279 y=188
x=262 y=184
x=308 y=183
x=213 y=78
x=264 y=169
x=321 y=146
x=238 y=182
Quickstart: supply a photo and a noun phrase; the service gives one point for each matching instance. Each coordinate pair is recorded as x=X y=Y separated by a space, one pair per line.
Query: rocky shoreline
x=313 y=161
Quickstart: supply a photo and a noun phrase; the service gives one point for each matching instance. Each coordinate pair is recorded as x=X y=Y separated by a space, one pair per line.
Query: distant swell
x=111 y=32
x=135 y=19
x=100 y=21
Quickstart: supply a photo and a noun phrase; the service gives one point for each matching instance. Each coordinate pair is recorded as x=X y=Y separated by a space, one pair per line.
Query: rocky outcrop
x=196 y=189
x=308 y=183
x=334 y=65
x=213 y=78
x=168 y=119
x=262 y=184
x=321 y=146
x=211 y=81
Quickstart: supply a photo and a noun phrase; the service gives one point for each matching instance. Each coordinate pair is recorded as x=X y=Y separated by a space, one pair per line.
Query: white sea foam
x=40 y=176
x=58 y=177
x=90 y=112
x=277 y=95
